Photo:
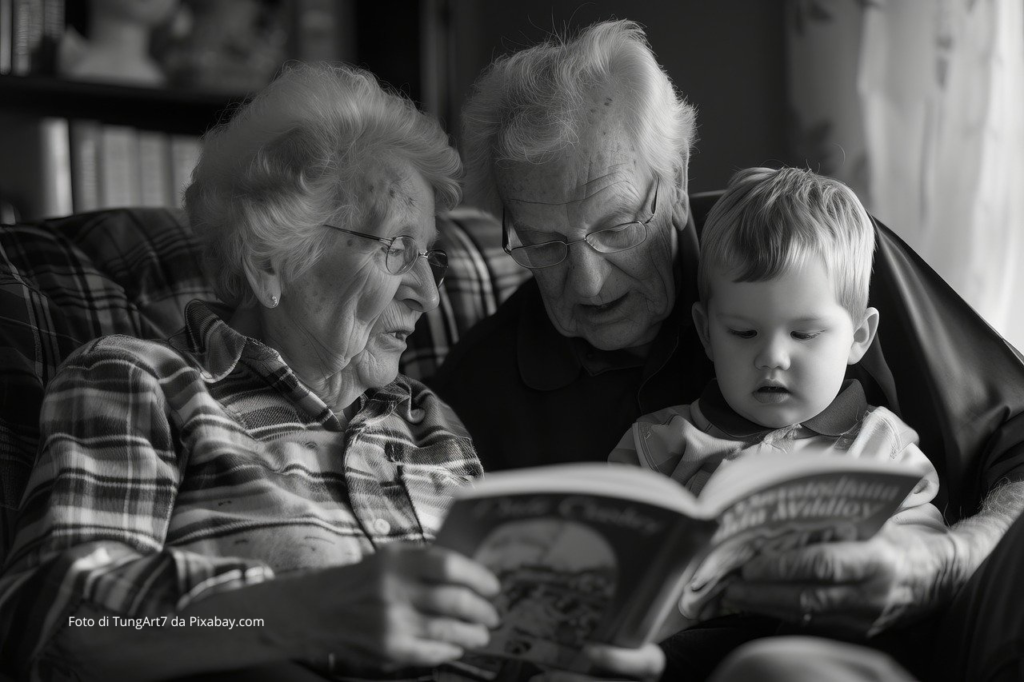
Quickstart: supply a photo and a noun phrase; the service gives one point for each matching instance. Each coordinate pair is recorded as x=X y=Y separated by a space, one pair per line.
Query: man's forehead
x=558 y=184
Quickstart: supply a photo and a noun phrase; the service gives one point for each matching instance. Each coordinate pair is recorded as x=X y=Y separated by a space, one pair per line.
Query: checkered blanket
x=131 y=271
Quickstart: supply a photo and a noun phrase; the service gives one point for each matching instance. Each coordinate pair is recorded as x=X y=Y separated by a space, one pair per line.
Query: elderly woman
x=262 y=488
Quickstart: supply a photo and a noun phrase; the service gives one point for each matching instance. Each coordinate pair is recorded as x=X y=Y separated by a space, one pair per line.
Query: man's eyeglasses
x=402 y=253
x=610 y=240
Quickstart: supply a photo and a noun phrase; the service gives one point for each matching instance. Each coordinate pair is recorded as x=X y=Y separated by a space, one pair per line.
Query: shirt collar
x=216 y=349
x=840 y=416
x=214 y=346
x=549 y=361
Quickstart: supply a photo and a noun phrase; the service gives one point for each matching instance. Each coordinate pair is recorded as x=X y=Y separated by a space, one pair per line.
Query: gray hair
x=531 y=105
x=286 y=163
x=771 y=220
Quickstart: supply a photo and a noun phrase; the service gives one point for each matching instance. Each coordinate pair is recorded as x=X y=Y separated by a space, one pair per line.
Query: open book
x=606 y=553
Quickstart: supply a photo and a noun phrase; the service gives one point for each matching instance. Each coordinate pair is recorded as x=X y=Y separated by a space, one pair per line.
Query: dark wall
x=725 y=56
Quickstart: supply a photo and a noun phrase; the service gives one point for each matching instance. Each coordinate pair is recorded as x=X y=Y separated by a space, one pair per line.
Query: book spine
x=28 y=35
x=85 y=149
x=185 y=151
x=52 y=32
x=36 y=177
x=155 y=170
x=6 y=35
x=657 y=594
x=21 y=54
x=119 y=167
x=55 y=158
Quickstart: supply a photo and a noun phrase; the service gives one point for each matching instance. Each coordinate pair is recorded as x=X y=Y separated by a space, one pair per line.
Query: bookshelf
x=183 y=112
x=75 y=146
x=80 y=141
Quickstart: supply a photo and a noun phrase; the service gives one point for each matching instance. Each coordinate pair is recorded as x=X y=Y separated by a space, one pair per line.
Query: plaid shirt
x=168 y=470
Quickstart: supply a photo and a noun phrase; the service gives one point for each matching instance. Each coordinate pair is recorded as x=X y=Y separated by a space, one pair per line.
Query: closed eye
x=805 y=336
x=743 y=333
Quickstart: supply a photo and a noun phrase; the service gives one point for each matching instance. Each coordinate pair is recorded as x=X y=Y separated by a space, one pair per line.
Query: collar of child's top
x=840 y=416
x=549 y=361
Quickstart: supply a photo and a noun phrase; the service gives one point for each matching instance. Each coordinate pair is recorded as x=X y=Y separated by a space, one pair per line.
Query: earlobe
x=264 y=282
x=863 y=336
x=700 y=321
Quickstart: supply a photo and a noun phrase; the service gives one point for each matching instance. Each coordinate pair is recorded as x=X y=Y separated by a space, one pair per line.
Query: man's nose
x=588 y=270
x=773 y=353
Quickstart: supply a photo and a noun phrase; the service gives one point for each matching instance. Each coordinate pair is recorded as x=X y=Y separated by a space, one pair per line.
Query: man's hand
x=863 y=588
x=854 y=588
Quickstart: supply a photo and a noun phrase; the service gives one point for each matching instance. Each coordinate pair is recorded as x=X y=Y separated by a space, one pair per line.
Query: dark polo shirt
x=530 y=396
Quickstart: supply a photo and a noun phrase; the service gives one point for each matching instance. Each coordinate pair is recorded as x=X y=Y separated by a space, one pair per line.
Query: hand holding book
x=598 y=553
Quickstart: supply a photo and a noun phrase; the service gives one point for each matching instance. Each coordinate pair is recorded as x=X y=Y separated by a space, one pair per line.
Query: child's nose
x=773 y=354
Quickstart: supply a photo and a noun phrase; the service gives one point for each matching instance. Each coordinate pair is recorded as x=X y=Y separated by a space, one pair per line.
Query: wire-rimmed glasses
x=402 y=253
x=609 y=240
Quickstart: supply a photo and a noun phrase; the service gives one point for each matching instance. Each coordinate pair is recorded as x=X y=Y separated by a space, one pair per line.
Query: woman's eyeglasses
x=610 y=240
x=402 y=253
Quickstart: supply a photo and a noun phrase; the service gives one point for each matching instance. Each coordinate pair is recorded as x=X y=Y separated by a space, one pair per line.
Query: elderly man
x=581 y=147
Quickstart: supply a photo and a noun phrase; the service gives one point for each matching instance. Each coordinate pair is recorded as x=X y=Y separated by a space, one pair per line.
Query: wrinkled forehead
x=600 y=153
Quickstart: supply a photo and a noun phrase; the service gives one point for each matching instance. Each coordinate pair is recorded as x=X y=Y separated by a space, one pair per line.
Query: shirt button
x=381 y=526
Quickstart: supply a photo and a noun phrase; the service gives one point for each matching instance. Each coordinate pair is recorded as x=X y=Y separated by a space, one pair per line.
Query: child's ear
x=700 y=321
x=863 y=335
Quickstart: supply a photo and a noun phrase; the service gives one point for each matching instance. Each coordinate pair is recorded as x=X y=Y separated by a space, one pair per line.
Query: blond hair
x=770 y=220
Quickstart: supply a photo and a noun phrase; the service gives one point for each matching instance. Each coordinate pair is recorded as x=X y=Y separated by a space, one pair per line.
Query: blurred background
x=917 y=104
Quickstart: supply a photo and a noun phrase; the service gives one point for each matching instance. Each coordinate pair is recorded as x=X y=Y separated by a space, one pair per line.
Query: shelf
x=173 y=111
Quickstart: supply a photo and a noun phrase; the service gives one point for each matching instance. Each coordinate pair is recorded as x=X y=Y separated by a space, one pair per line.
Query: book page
x=581 y=555
x=798 y=502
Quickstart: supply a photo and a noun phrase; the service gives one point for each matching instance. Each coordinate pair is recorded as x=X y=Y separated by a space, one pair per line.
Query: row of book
x=30 y=32
x=54 y=166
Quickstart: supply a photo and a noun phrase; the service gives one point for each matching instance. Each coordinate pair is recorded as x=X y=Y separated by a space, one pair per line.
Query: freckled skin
x=335 y=323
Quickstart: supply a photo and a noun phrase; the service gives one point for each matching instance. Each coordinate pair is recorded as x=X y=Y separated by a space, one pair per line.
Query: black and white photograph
x=316 y=314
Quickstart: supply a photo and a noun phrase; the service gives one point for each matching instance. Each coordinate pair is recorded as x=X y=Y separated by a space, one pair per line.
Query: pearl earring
x=273 y=301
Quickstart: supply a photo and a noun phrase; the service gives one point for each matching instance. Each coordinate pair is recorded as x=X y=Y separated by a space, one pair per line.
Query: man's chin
x=619 y=337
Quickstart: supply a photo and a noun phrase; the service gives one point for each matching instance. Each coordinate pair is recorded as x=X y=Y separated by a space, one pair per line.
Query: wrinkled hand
x=401 y=607
x=610 y=663
x=853 y=588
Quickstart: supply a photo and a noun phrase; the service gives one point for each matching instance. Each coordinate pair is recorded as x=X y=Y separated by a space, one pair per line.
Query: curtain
x=925 y=101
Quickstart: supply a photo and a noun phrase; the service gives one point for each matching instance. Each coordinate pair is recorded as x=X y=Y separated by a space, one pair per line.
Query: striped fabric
x=131 y=271
x=171 y=470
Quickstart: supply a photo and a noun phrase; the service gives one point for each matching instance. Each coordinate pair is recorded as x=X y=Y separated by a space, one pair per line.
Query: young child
x=785 y=265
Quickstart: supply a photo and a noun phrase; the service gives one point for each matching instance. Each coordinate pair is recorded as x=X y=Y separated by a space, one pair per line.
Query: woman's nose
x=588 y=270
x=421 y=292
x=773 y=354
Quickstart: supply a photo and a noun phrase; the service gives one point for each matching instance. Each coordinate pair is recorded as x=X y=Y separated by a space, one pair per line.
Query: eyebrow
x=622 y=212
x=806 y=319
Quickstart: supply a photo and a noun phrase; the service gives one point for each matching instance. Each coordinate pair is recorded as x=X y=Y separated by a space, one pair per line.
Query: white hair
x=531 y=105
x=288 y=161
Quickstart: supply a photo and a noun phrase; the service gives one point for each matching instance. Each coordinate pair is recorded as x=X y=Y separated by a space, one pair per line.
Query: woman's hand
x=403 y=606
x=610 y=663
x=853 y=588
